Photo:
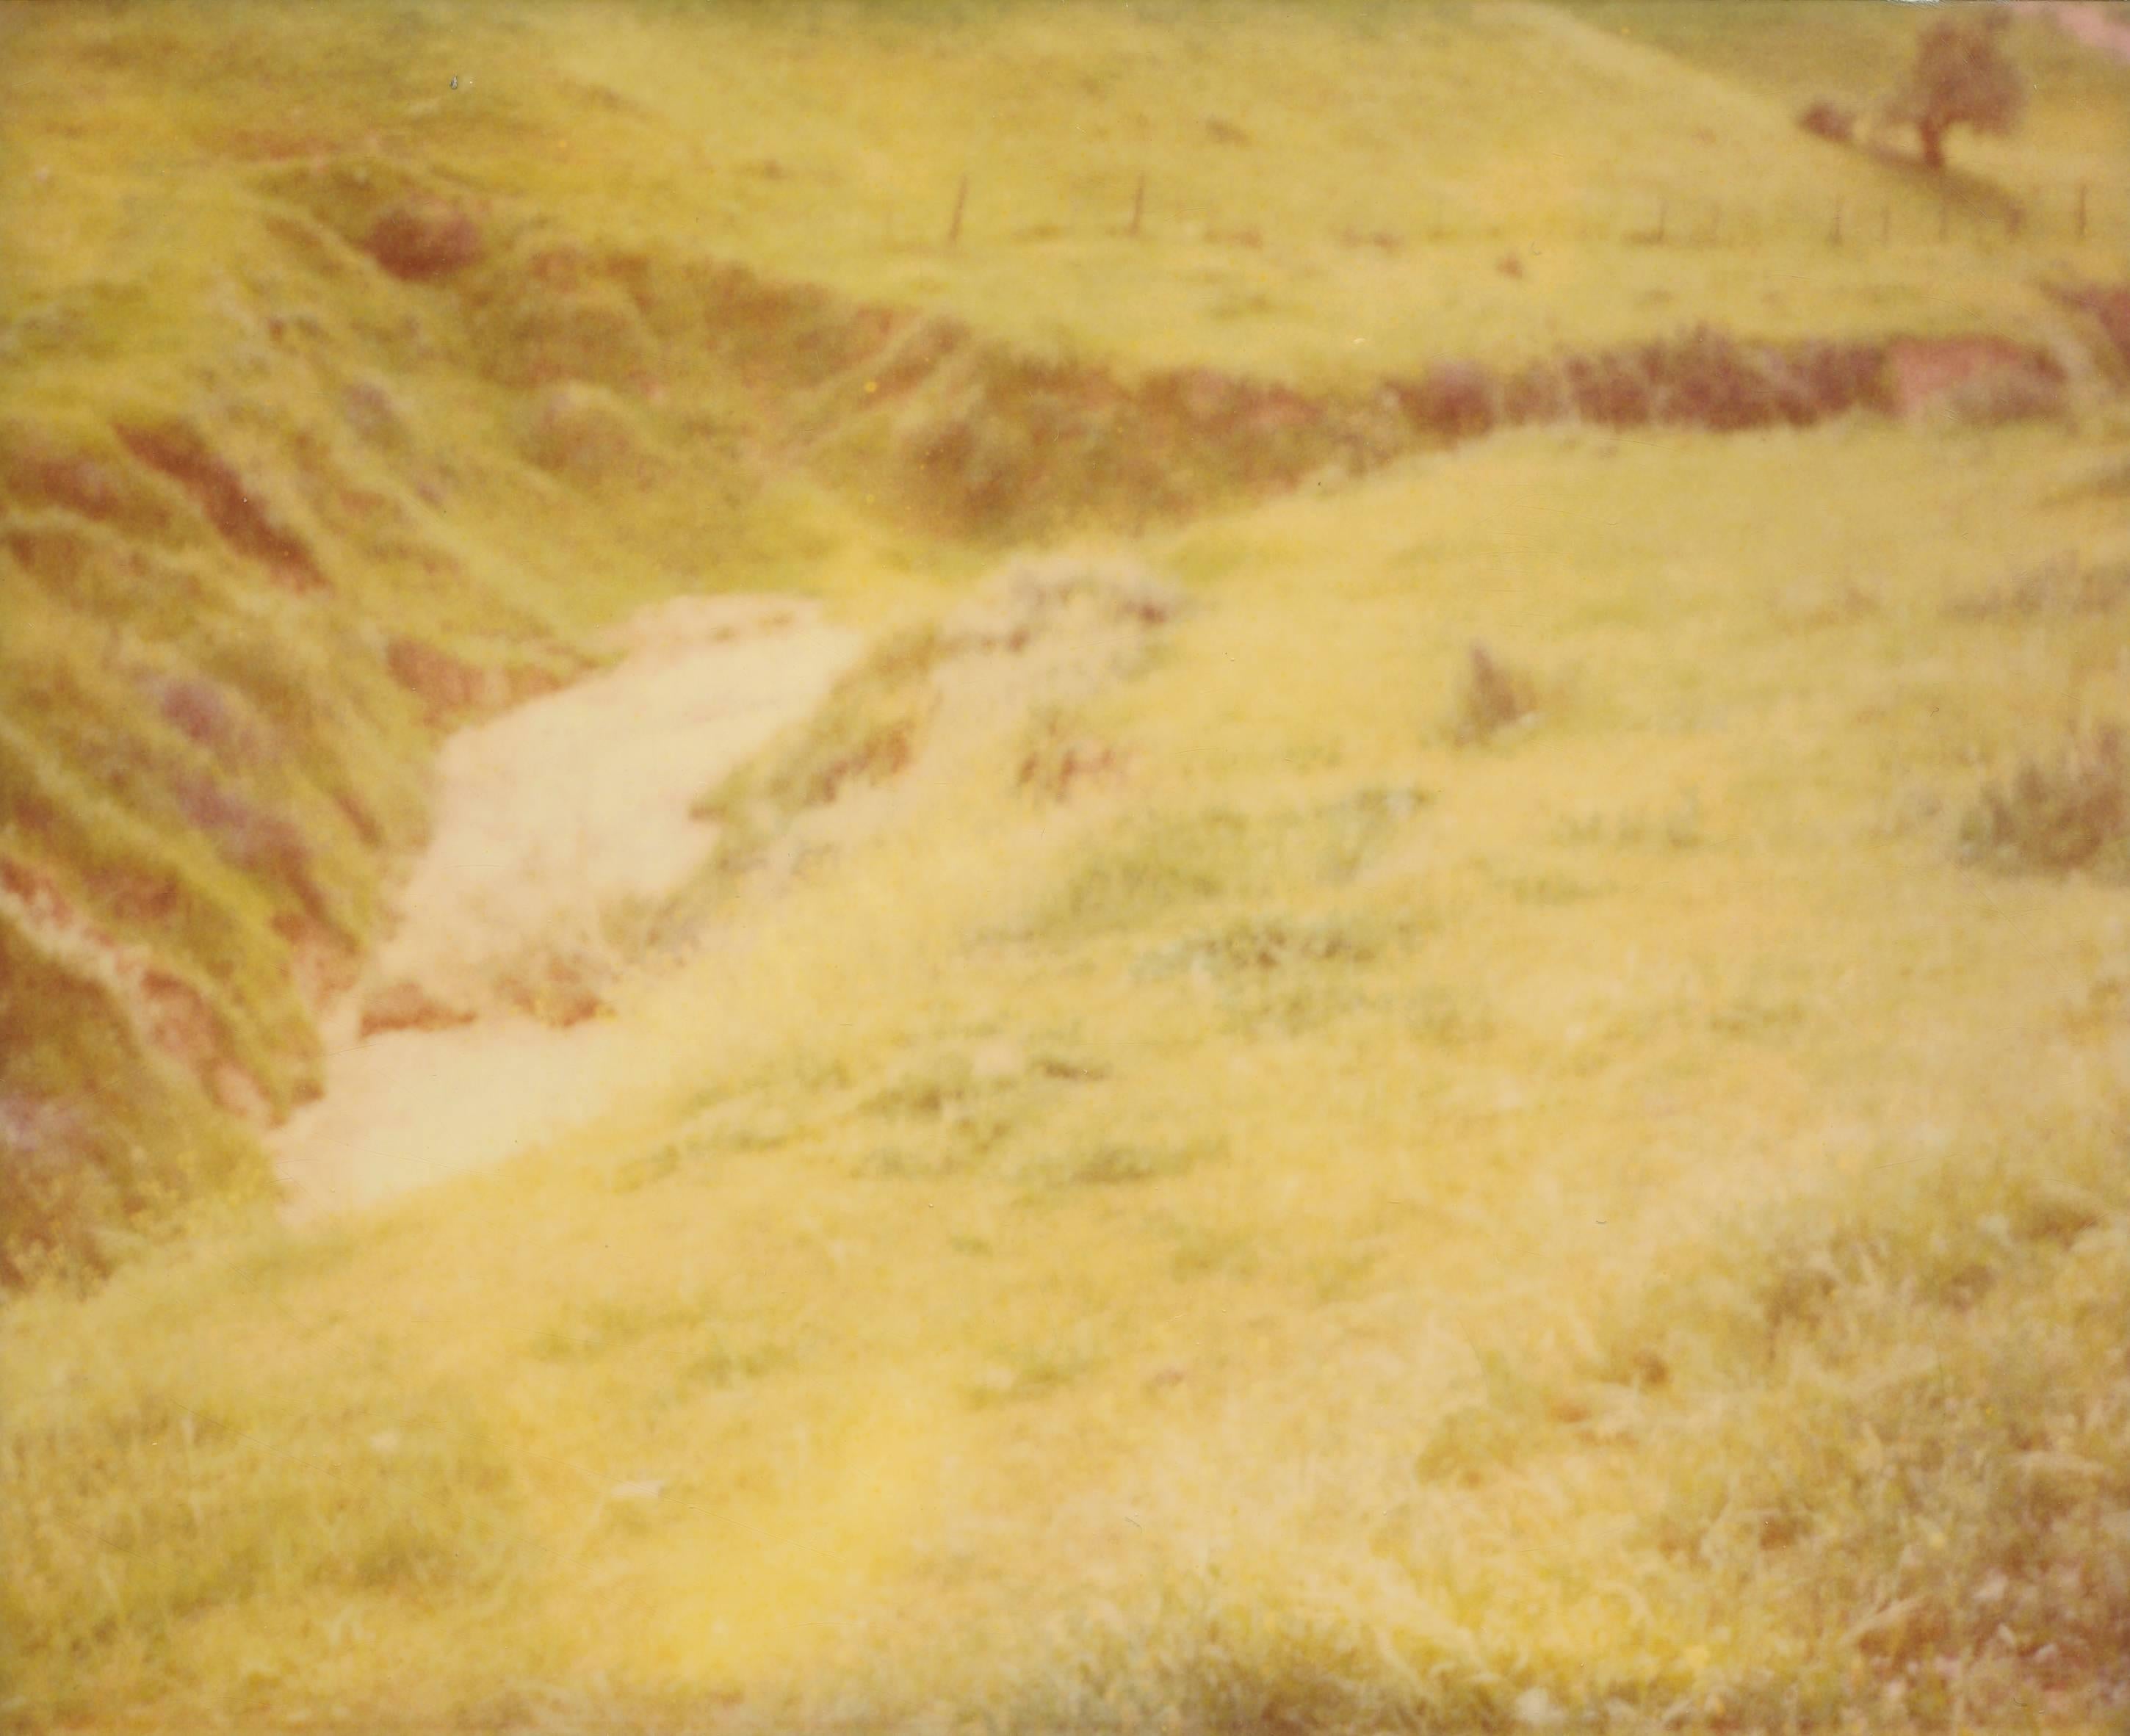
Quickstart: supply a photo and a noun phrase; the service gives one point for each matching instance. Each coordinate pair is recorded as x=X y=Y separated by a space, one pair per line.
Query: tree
x=1961 y=77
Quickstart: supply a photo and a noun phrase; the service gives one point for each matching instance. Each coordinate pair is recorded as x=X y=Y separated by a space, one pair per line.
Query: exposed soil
x=229 y=500
x=972 y=438
x=166 y=1012
x=476 y=1033
x=473 y=1035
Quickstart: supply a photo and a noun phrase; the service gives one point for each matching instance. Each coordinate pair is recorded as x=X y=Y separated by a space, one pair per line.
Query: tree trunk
x=1932 y=135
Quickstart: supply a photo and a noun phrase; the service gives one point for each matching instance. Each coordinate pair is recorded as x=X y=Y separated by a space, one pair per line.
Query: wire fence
x=2077 y=213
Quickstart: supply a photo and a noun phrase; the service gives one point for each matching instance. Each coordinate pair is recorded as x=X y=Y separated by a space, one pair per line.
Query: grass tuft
x=2053 y=815
x=1496 y=696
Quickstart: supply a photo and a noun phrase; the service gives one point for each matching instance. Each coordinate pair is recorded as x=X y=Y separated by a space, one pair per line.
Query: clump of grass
x=959 y=1109
x=1288 y=971
x=1496 y=696
x=866 y=732
x=1161 y=860
x=1021 y=1372
x=1922 y=1460
x=2055 y=815
x=1157 y=862
x=1265 y=946
x=707 y=1349
x=1101 y=1161
x=1059 y=762
x=133 y=1501
x=2063 y=584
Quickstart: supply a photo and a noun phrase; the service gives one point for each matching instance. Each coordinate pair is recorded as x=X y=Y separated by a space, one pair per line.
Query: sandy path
x=547 y=818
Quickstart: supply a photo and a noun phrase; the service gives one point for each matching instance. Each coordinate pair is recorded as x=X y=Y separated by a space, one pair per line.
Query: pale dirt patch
x=549 y=819
x=404 y=1109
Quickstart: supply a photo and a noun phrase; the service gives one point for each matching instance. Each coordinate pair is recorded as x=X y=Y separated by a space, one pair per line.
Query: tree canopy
x=1961 y=77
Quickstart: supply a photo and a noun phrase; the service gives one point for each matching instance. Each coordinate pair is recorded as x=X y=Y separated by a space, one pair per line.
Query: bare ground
x=474 y=1035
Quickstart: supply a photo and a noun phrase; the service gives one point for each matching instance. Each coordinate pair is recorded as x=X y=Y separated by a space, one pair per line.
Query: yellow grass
x=1007 y=1276
x=1330 y=191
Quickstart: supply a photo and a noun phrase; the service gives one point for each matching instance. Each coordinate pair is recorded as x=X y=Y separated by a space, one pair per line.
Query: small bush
x=1496 y=696
x=2053 y=816
x=421 y=239
x=1828 y=119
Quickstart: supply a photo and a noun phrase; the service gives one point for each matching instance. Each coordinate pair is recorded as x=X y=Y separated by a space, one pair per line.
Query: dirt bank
x=472 y=1036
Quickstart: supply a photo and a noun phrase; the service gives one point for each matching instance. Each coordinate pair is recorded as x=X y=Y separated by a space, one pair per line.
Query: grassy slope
x=1392 y=1264
x=245 y=473
x=1523 y=1282
x=1793 y=52
x=825 y=144
x=1302 y=174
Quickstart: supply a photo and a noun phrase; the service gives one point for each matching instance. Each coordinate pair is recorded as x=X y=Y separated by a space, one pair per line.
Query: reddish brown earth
x=166 y=1011
x=1921 y=371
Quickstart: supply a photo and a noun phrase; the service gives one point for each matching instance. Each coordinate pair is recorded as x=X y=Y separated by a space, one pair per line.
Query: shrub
x=1830 y=120
x=421 y=239
x=1496 y=696
x=2052 y=816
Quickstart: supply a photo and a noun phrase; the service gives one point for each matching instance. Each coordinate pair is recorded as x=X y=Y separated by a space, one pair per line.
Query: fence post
x=961 y=199
x=2081 y=211
x=1138 y=202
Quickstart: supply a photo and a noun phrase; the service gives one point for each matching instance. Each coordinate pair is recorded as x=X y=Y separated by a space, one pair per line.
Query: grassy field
x=1254 y=1170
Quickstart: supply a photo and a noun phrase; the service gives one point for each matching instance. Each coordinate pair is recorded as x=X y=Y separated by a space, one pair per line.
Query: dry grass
x=1265 y=1246
x=1493 y=697
x=2054 y=814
